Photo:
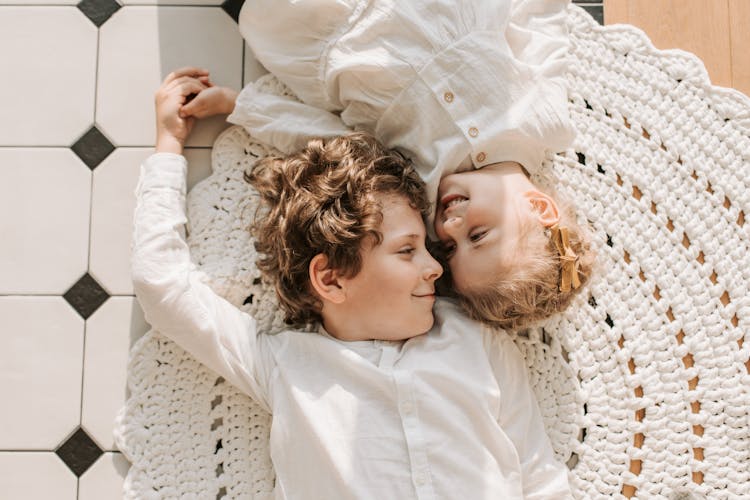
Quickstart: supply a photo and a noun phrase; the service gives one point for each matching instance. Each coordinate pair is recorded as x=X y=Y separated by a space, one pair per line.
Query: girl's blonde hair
x=528 y=284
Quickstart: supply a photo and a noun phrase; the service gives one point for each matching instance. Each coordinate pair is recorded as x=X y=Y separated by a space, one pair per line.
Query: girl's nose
x=452 y=225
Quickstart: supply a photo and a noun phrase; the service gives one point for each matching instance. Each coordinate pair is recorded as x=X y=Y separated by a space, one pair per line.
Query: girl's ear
x=543 y=207
x=326 y=281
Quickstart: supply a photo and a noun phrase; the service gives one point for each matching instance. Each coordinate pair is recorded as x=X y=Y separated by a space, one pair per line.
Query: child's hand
x=209 y=102
x=172 y=130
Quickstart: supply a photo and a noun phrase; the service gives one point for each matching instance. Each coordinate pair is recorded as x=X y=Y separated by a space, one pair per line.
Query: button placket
x=415 y=442
x=387 y=357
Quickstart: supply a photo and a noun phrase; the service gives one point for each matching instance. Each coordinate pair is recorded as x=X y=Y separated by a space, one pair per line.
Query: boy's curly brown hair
x=324 y=200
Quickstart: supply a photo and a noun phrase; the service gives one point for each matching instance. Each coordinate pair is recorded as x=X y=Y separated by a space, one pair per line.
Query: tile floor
x=77 y=87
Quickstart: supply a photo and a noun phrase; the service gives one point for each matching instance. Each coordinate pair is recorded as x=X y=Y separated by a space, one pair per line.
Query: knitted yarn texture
x=644 y=382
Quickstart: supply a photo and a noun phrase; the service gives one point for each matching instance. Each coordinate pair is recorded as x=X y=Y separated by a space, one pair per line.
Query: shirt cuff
x=163 y=170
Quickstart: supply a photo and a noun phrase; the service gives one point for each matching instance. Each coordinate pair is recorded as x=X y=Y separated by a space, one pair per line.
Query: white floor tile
x=39 y=2
x=112 y=205
x=35 y=476
x=41 y=355
x=166 y=38
x=110 y=332
x=199 y=165
x=104 y=480
x=45 y=242
x=49 y=58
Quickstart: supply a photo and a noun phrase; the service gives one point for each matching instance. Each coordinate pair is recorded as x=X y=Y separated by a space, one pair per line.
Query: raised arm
x=520 y=418
x=281 y=121
x=537 y=118
x=173 y=294
x=538 y=34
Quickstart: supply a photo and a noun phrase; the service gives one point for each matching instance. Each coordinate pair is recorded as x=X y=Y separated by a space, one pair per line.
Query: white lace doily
x=655 y=399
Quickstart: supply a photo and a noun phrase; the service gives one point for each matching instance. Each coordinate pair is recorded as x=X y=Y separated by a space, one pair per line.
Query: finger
x=205 y=80
x=185 y=71
x=181 y=80
x=189 y=122
x=192 y=108
x=186 y=88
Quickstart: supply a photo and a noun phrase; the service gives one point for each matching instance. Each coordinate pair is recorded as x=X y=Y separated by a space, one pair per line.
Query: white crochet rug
x=655 y=399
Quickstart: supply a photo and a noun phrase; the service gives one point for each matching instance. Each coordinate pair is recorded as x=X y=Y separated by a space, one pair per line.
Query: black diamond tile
x=92 y=147
x=596 y=11
x=79 y=452
x=86 y=296
x=98 y=11
x=232 y=7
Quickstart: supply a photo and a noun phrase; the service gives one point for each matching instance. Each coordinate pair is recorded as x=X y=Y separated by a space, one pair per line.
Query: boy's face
x=478 y=219
x=391 y=297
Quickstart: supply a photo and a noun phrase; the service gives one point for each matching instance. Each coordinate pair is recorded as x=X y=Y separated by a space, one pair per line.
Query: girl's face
x=481 y=217
x=391 y=297
x=478 y=220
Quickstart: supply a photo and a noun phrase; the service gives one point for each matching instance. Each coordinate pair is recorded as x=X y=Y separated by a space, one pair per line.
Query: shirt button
x=481 y=157
x=473 y=131
x=448 y=96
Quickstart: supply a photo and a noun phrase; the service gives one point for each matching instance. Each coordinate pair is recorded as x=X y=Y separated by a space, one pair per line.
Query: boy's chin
x=424 y=328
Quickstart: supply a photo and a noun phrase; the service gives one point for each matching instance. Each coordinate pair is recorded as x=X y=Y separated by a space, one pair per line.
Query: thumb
x=195 y=106
x=189 y=122
x=188 y=110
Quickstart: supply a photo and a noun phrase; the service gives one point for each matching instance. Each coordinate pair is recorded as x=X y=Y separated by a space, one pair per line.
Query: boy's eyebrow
x=410 y=236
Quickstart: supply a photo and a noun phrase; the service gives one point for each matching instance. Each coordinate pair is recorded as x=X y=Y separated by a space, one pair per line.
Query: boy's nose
x=433 y=270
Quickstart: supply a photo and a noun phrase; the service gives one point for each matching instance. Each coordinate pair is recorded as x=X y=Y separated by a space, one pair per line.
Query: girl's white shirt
x=448 y=414
x=453 y=85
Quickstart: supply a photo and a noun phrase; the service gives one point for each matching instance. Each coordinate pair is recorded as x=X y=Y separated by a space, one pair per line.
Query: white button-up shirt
x=448 y=414
x=452 y=84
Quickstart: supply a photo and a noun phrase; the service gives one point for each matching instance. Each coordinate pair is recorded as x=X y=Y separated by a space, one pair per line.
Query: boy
x=384 y=400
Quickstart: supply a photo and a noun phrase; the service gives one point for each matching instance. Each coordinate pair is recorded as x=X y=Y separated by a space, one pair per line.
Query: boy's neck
x=347 y=329
x=342 y=328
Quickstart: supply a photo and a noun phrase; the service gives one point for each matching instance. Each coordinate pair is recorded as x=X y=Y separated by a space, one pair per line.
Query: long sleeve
x=281 y=121
x=543 y=477
x=172 y=293
x=537 y=34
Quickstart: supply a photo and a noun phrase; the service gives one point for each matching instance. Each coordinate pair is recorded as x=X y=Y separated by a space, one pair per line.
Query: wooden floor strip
x=715 y=30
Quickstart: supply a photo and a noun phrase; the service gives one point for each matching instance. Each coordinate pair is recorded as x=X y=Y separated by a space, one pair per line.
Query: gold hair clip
x=568 y=259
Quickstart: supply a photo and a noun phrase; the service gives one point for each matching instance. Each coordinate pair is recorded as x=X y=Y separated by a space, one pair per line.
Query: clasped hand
x=184 y=96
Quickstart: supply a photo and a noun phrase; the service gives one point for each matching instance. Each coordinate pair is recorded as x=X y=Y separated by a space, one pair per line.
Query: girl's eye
x=477 y=236
x=406 y=251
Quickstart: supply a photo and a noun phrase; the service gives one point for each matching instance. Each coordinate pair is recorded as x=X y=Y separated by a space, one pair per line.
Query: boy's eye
x=474 y=237
x=406 y=250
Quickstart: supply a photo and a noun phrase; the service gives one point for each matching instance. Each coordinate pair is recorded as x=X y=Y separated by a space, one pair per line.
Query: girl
x=472 y=92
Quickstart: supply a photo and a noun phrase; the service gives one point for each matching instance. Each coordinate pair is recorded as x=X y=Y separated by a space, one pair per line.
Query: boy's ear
x=543 y=207
x=325 y=280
